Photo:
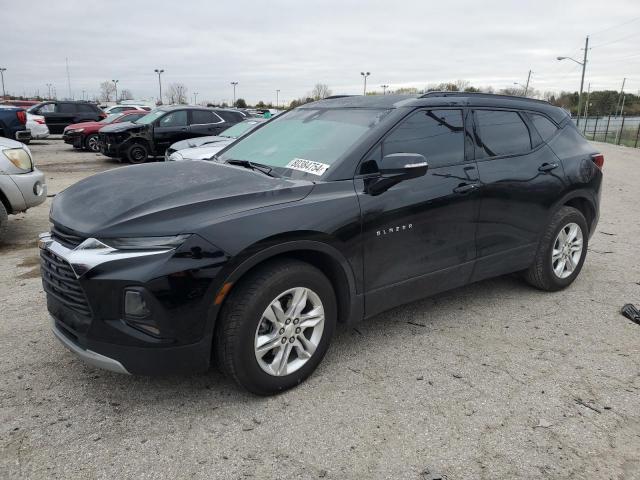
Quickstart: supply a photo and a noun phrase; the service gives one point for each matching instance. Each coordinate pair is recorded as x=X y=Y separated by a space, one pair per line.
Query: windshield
x=240 y=129
x=150 y=117
x=305 y=142
x=110 y=118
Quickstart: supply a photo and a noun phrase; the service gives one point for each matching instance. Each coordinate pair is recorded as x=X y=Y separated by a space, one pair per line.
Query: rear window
x=85 y=108
x=545 y=127
x=66 y=108
x=501 y=133
x=203 y=117
x=233 y=117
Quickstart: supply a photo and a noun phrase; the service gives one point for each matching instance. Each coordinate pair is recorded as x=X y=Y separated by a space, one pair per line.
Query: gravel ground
x=491 y=381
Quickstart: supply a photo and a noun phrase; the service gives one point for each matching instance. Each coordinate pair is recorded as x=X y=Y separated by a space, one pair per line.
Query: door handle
x=547 y=167
x=465 y=188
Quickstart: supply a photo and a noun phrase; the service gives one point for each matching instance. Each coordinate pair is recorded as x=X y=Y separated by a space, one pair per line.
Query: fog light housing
x=135 y=305
x=37 y=189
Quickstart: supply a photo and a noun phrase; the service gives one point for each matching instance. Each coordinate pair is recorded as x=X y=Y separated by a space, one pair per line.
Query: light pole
x=384 y=89
x=583 y=64
x=49 y=87
x=115 y=84
x=619 y=102
x=83 y=92
x=159 y=72
x=365 y=75
x=234 y=93
x=2 y=70
x=277 y=98
x=195 y=98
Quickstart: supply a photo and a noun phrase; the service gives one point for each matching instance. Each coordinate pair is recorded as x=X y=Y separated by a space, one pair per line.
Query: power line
x=616 y=41
x=616 y=26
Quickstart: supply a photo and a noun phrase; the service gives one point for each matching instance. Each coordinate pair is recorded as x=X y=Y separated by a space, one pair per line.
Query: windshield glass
x=304 y=143
x=239 y=129
x=110 y=118
x=150 y=117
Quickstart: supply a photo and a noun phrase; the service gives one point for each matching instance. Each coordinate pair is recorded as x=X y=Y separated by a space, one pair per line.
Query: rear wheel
x=137 y=153
x=4 y=221
x=276 y=326
x=561 y=252
x=92 y=143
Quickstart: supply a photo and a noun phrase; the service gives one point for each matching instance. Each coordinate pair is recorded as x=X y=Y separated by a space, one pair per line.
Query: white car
x=37 y=125
x=123 y=108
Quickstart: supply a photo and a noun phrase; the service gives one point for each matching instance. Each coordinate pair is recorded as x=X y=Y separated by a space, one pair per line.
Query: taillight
x=598 y=159
x=22 y=116
x=103 y=115
x=40 y=121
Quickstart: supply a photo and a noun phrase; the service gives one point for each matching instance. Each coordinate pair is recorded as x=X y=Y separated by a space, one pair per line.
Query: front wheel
x=92 y=143
x=561 y=252
x=137 y=153
x=276 y=326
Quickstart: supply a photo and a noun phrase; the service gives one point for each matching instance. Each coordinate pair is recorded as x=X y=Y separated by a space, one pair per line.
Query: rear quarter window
x=545 y=127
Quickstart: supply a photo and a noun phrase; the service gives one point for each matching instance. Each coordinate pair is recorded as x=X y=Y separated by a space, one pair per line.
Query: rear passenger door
x=520 y=179
x=204 y=123
x=86 y=113
x=63 y=115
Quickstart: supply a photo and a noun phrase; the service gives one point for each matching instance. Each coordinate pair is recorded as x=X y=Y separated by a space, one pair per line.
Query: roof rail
x=481 y=95
x=331 y=97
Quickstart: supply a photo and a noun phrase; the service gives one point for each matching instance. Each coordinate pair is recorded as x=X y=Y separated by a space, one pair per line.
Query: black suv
x=60 y=114
x=152 y=134
x=332 y=212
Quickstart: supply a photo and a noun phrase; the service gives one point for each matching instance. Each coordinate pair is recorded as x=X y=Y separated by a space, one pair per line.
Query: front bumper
x=23 y=135
x=30 y=190
x=85 y=297
x=73 y=138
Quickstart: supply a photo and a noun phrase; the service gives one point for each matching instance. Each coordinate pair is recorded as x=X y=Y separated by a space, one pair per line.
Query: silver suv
x=22 y=186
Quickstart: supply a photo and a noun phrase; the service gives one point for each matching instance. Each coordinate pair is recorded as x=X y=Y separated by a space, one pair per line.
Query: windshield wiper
x=267 y=170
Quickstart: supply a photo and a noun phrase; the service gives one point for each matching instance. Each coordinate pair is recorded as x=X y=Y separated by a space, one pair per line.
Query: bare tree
x=107 y=89
x=320 y=91
x=177 y=93
x=126 y=95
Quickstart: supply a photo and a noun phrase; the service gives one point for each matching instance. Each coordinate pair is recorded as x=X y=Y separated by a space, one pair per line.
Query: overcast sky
x=291 y=45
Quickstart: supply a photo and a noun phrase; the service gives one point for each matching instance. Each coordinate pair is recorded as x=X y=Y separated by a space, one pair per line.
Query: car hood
x=122 y=126
x=84 y=125
x=205 y=152
x=167 y=198
x=196 y=142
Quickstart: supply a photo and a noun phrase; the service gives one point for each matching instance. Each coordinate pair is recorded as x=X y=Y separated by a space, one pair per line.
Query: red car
x=85 y=135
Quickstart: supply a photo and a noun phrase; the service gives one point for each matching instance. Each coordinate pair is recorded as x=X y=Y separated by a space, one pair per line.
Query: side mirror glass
x=397 y=167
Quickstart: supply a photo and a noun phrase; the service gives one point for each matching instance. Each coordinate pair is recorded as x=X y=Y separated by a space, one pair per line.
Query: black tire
x=4 y=221
x=242 y=312
x=541 y=274
x=137 y=153
x=91 y=143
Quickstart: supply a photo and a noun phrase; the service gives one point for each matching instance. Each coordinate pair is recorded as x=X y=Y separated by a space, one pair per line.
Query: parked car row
x=85 y=135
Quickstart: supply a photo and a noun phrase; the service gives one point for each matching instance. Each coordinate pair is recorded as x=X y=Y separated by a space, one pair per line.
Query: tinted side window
x=501 y=133
x=546 y=128
x=85 y=108
x=232 y=117
x=203 y=116
x=66 y=108
x=174 y=119
x=436 y=134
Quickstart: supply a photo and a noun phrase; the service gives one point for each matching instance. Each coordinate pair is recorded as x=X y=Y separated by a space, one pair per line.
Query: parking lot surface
x=492 y=381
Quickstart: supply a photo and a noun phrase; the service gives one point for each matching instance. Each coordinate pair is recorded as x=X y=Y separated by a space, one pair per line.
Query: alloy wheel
x=567 y=250
x=289 y=331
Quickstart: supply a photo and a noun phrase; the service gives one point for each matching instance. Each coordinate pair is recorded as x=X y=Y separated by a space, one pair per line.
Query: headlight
x=20 y=158
x=176 y=157
x=75 y=130
x=145 y=243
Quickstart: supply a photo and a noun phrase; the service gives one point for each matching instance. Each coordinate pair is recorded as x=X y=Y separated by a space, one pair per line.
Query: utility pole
x=234 y=93
x=365 y=75
x=586 y=105
x=278 y=98
x=115 y=84
x=83 y=92
x=49 y=87
x=159 y=72
x=384 y=89
x=526 y=87
x=621 y=96
x=2 y=70
x=583 y=64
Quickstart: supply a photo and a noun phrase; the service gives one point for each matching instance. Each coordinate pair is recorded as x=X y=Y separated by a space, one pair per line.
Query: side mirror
x=396 y=168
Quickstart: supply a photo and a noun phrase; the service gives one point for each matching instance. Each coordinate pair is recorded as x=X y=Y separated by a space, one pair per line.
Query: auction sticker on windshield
x=308 y=166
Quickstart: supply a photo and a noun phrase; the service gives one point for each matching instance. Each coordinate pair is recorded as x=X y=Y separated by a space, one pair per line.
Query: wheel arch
x=583 y=201
x=324 y=257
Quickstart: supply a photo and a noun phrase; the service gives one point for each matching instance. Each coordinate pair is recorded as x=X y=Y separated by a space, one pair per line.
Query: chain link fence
x=617 y=130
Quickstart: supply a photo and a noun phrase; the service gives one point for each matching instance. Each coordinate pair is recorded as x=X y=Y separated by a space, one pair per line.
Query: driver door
x=419 y=236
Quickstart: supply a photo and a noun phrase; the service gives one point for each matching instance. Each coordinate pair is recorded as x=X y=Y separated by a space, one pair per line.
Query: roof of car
x=439 y=99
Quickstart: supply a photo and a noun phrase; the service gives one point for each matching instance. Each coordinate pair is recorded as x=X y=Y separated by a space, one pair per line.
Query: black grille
x=66 y=237
x=59 y=281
